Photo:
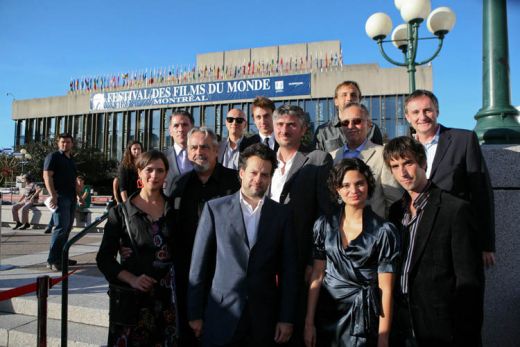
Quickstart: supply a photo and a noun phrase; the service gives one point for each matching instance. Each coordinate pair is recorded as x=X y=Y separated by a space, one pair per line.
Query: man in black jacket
x=439 y=291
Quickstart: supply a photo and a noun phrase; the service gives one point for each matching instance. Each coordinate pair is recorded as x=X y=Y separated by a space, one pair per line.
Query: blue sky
x=43 y=44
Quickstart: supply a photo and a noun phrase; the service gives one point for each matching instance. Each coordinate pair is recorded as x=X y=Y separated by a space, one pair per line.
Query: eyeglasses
x=356 y=121
x=235 y=119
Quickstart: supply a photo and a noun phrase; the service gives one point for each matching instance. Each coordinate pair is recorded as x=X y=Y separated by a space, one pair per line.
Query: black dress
x=127 y=180
x=157 y=320
x=349 y=304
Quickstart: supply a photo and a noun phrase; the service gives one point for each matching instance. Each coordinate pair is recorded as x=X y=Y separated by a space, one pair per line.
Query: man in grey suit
x=244 y=256
x=181 y=123
x=354 y=121
x=229 y=148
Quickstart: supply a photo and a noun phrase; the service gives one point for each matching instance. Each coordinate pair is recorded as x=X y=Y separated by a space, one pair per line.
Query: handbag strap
x=127 y=223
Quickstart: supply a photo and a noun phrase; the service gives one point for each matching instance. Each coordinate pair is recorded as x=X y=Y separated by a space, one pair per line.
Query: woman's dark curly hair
x=339 y=170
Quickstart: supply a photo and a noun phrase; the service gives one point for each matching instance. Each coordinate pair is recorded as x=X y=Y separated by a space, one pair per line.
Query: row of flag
x=189 y=74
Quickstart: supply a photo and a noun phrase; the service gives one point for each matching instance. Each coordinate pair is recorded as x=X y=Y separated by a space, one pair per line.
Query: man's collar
x=243 y=201
x=177 y=148
x=358 y=149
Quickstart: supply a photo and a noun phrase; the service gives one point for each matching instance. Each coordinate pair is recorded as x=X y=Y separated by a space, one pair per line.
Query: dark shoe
x=72 y=262
x=47 y=231
x=54 y=267
x=25 y=226
x=18 y=224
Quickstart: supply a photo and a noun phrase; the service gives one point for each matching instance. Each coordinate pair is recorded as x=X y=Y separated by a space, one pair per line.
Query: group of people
x=259 y=241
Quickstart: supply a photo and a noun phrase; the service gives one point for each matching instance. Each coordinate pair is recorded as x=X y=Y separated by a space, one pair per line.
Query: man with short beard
x=245 y=251
x=207 y=180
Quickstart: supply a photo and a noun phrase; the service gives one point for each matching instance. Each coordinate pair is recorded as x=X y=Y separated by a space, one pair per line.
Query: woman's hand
x=309 y=335
x=142 y=283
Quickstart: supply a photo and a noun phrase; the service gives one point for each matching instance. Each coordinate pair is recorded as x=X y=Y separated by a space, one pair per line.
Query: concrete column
x=502 y=299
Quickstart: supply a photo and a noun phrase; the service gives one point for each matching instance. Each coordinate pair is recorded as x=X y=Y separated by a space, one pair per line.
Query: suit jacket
x=387 y=190
x=173 y=172
x=305 y=191
x=459 y=168
x=227 y=273
x=251 y=140
x=446 y=274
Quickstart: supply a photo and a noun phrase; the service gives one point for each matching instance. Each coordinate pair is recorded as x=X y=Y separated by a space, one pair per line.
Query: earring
x=140 y=183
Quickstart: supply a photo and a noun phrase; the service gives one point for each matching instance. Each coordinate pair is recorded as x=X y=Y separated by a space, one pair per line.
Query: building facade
x=106 y=113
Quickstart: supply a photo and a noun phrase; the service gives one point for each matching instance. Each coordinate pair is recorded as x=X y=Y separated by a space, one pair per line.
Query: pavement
x=23 y=255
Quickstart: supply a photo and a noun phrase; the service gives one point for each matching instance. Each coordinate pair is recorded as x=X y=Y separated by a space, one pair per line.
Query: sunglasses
x=237 y=120
x=356 y=121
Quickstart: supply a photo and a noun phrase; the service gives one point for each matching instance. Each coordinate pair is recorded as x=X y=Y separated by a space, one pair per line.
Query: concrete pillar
x=502 y=299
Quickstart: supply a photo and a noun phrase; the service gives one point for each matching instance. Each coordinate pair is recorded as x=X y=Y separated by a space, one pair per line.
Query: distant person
x=181 y=123
x=127 y=171
x=26 y=202
x=328 y=137
x=147 y=314
x=262 y=109
x=84 y=197
x=59 y=174
x=455 y=164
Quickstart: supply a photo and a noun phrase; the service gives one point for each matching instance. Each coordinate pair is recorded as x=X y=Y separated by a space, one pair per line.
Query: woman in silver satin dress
x=355 y=257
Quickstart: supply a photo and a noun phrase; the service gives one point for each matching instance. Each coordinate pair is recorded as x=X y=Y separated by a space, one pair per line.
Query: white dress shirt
x=280 y=176
x=431 y=149
x=251 y=218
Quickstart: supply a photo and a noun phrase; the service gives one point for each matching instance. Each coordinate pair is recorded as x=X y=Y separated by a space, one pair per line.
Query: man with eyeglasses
x=354 y=121
x=327 y=136
x=229 y=147
x=207 y=180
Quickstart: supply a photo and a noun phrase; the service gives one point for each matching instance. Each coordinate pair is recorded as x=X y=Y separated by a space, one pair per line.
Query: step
x=87 y=301
x=21 y=330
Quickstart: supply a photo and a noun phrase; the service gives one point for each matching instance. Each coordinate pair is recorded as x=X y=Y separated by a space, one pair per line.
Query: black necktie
x=266 y=142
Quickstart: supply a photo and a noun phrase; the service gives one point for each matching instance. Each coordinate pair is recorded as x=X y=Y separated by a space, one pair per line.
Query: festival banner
x=274 y=86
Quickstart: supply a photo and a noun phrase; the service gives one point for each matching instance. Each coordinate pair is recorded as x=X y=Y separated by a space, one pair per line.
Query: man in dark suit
x=181 y=123
x=262 y=109
x=455 y=164
x=190 y=192
x=439 y=291
x=242 y=243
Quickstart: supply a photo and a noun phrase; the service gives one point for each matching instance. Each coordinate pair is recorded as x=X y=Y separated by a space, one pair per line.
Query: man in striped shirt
x=439 y=290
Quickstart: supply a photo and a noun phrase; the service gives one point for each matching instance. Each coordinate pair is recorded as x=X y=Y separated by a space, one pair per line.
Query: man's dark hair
x=339 y=170
x=417 y=94
x=347 y=84
x=147 y=157
x=183 y=113
x=263 y=102
x=404 y=147
x=258 y=150
x=65 y=136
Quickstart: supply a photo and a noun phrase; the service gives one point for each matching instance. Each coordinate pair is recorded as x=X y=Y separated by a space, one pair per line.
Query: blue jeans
x=63 y=219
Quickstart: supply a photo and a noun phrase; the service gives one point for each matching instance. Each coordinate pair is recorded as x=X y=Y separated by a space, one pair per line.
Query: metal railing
x=65 y=270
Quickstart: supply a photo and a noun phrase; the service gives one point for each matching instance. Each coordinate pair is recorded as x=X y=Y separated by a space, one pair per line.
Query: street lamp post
x=406 y=36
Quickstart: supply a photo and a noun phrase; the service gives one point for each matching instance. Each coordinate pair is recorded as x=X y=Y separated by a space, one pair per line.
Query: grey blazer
x=173 y=172
x=227 y=272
